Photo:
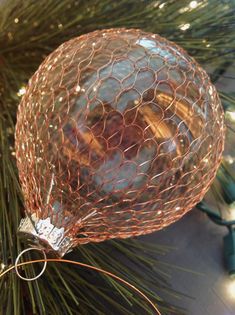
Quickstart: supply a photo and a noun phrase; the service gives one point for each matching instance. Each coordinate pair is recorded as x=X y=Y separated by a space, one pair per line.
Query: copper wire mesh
x=120 y=133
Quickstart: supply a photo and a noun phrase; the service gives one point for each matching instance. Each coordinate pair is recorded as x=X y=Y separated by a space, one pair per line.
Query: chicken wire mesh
x=120 y=133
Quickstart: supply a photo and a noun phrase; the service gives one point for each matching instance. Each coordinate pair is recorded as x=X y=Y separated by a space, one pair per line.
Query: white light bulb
x=231 y=115
x=184 y=27
x=21 y=91
x=231 y=288
x=193 y=4
x=231 y=214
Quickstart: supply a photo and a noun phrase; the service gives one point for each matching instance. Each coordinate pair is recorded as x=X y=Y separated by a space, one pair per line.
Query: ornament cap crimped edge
x=43 y=234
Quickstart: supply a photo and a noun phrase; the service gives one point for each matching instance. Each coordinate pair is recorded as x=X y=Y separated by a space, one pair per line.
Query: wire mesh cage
x=119 y=134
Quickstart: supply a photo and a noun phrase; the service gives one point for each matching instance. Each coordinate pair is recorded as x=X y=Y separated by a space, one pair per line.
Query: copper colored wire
x=89 y=267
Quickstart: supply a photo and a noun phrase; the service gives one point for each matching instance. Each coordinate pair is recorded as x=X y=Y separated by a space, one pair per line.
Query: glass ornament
x=119 y=134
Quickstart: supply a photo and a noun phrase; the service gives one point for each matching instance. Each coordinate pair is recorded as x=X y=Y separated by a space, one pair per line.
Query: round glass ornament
x=119 y=134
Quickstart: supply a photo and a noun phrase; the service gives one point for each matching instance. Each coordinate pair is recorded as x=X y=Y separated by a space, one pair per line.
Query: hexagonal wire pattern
x=120 y=133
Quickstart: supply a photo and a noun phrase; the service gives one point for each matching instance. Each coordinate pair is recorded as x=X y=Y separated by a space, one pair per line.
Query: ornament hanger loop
x=18 y=258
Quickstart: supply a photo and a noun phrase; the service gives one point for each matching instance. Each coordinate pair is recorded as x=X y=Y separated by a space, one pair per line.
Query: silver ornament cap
x=43 y=234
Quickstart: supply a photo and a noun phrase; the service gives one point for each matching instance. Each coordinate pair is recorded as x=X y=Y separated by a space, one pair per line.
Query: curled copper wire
x=120 y=133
